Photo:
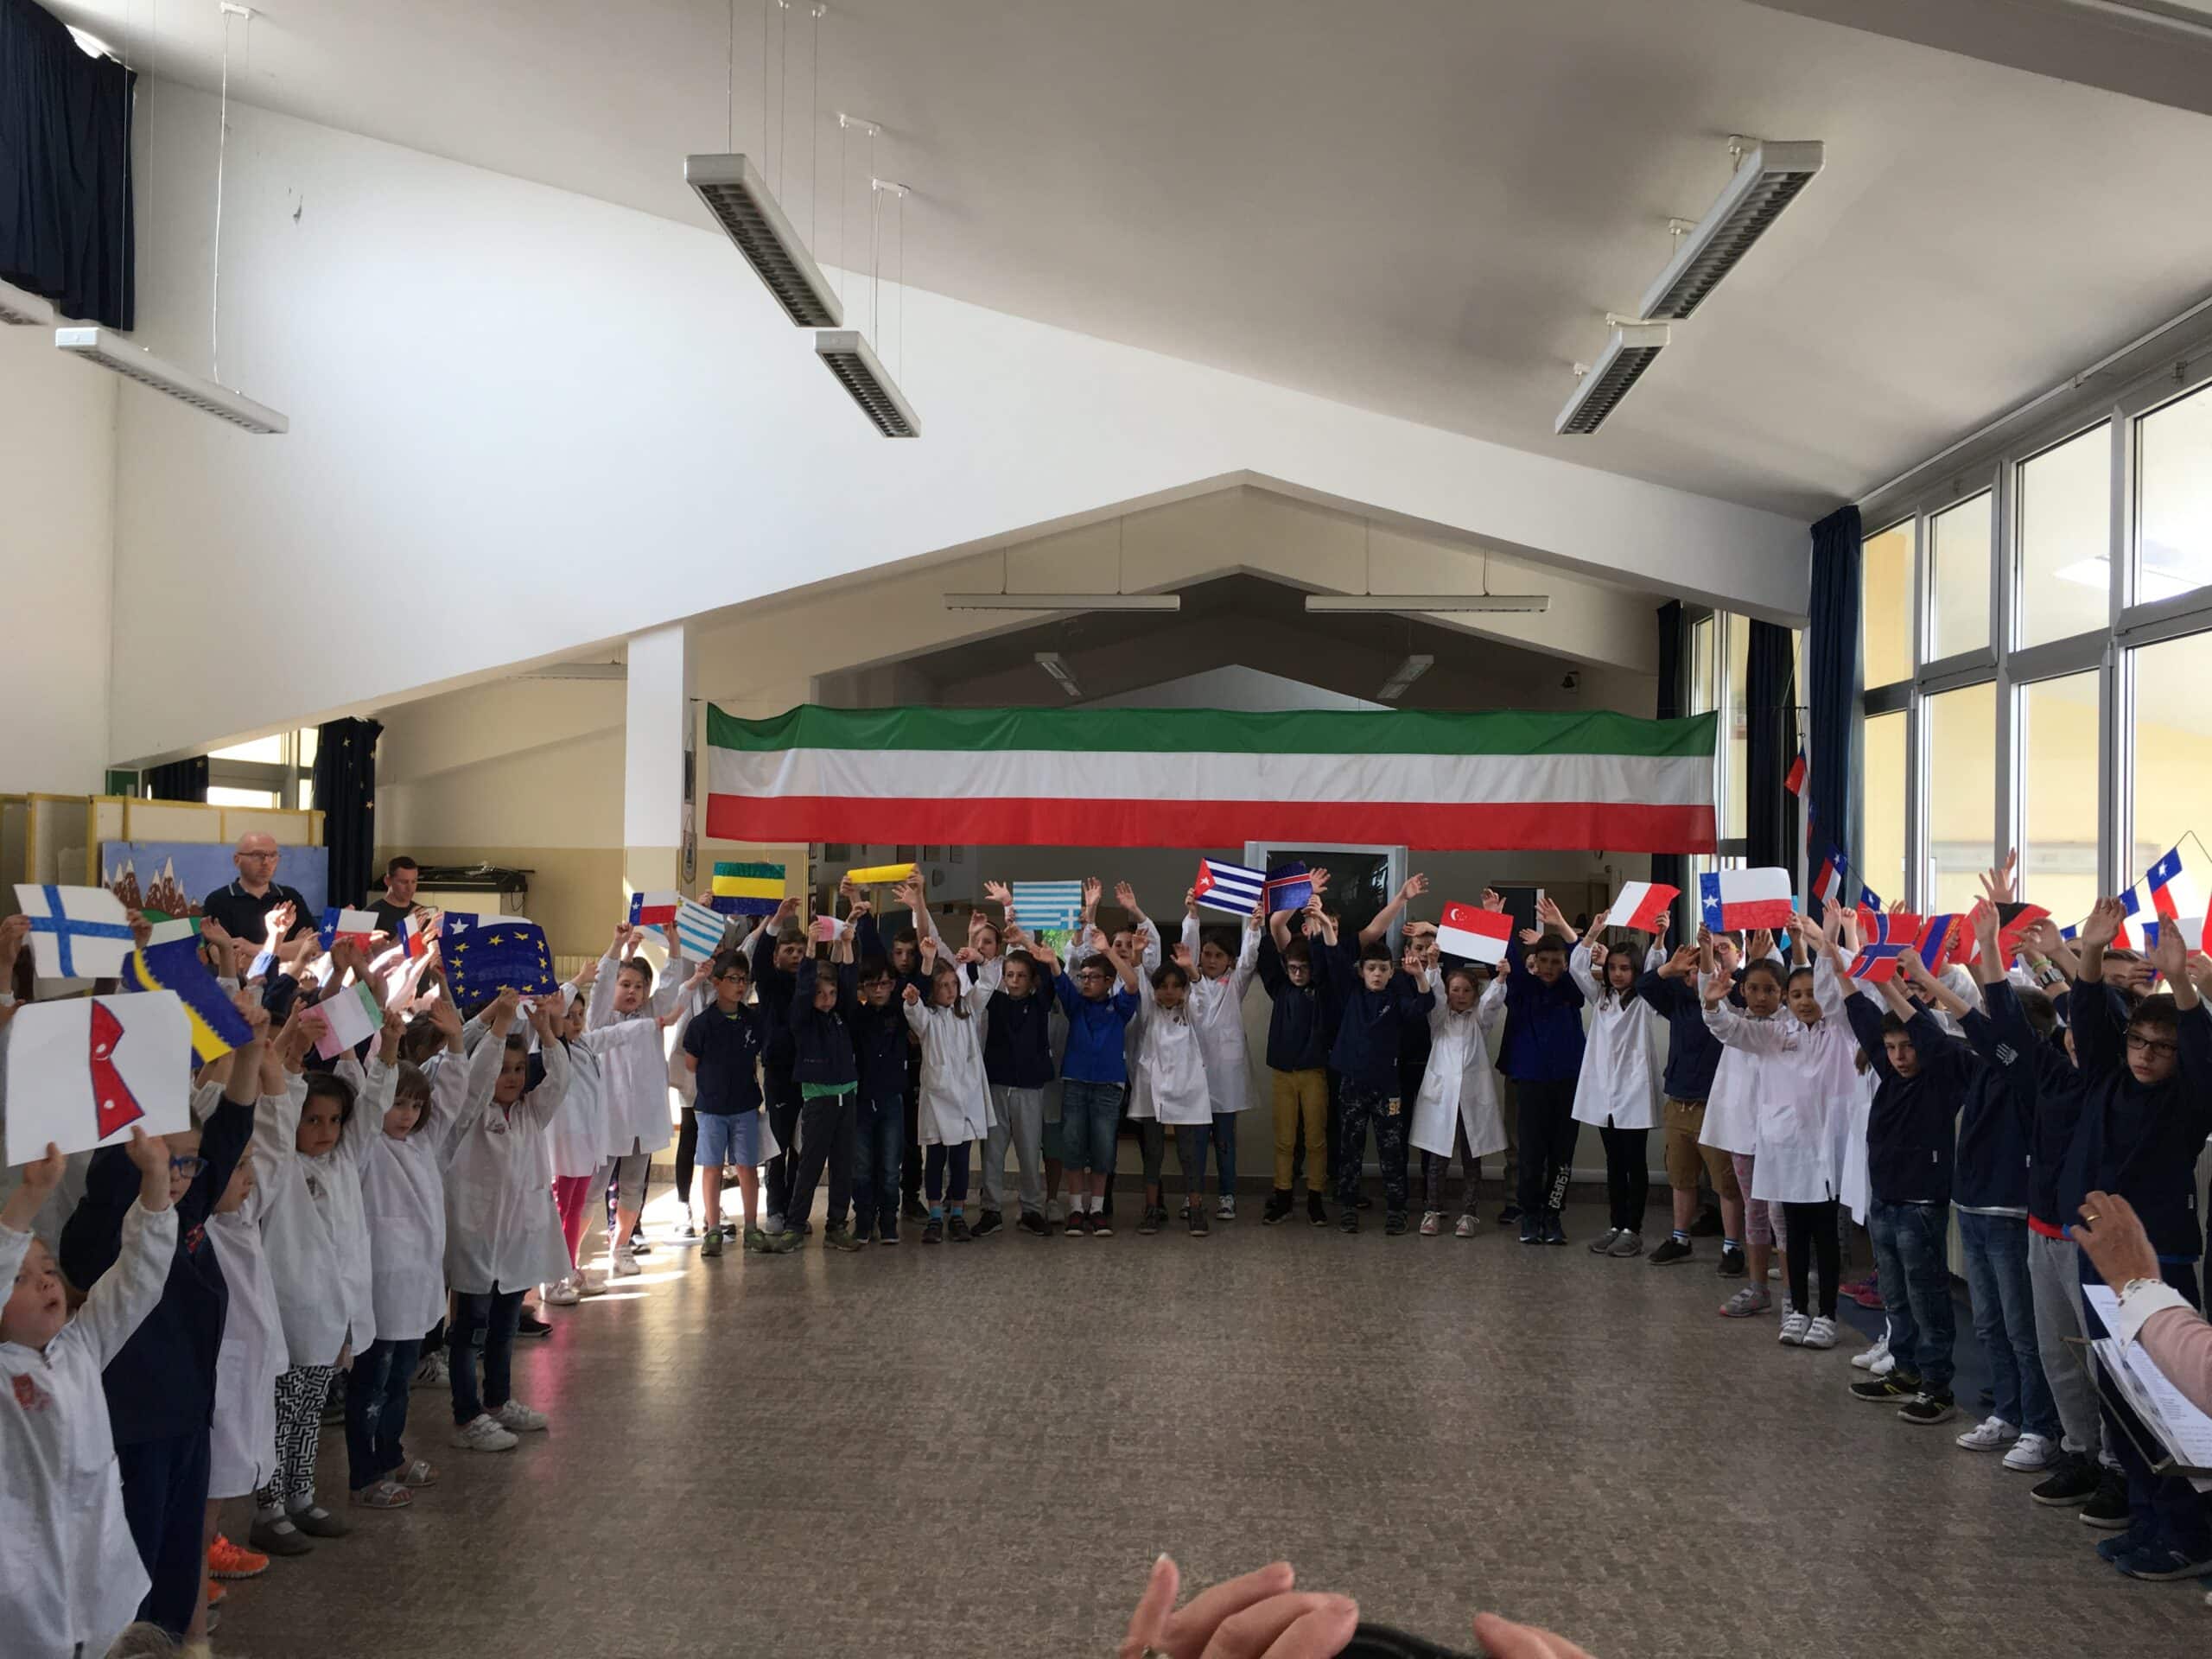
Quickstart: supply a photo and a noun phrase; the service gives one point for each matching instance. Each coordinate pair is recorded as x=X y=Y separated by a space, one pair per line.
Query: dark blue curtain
x=1832 y=666
x=1667 y=869
x=346 y=795
x=179 y=780
x=65 y=211
x=1771 y=742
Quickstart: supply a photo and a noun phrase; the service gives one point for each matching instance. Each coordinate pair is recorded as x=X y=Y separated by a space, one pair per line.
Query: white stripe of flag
x=699 y=929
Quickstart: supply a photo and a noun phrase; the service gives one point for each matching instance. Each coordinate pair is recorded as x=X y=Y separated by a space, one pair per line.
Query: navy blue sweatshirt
x=1992 y=1172
x=881 y=1042
x=1908 y=1132
x=1018 y=1037
x=1298 y=1023
x=772 y=989
x=162 y=1384
x=1368 y=1032
x=1692 y=1052
x=1543 y=1040
x=728 y=1047
x=821 y=1043
x=867 y=941
x=2140 y=1141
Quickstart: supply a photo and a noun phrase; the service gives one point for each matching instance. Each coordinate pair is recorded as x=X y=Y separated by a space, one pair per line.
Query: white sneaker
x=1821 y=1333
x=1989 y=1435
x=1794 y=1329
x=561 y=1292
x=2029 y=1453
x=591 y=1281
x=1465 y=1227
x=484 y=1434
x=625 y=1266
x=1873 y=1355
x=1226 y=1210
x=773 y=1226
x=519 y=1418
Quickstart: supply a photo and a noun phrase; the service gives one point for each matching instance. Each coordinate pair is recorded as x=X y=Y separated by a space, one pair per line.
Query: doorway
x=1361 y=878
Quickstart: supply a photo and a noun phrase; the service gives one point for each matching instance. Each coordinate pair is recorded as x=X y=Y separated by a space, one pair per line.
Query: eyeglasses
x=272 y=857
x=2152 y=1045
x=187 y=1167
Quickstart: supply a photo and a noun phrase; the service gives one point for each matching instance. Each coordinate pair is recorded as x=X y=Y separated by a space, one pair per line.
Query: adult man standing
x=398 y=904
x=244 y=907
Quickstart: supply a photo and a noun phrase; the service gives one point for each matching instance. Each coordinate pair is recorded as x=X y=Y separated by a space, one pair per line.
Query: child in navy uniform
x=823 y=1068
x=1543 y=1056
x=881 y=1046
x=1376 y=1003
x=722 y=1048
x=1018 y=1065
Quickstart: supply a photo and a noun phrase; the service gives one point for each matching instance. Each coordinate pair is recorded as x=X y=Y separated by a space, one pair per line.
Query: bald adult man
x=243 y=908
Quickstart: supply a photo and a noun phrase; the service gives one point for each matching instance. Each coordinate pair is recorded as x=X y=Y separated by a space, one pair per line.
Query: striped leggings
x=301 y=1392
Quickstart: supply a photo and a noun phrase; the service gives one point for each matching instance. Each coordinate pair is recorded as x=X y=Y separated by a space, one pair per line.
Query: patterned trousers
x=301 y=1392
x=1365 y=1109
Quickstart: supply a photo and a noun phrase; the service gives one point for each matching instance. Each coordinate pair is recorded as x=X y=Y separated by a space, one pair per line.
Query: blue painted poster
x=173 y=876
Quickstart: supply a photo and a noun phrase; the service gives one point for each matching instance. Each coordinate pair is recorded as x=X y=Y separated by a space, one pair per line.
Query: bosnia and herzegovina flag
x=749 y=889
x=217 y=1027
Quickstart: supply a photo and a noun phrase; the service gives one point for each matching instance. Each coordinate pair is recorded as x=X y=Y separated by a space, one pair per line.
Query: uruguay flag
x=1730 y=900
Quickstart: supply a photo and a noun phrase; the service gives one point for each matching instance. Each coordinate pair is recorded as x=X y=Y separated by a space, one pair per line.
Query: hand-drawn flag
x=872 y=875
x=1227 y=886
x=352 y=926
x=1793 y=780
x=654 y=909
x=1470 y=931
x=76 y=933
x=167 y=928
x=82 y=1070
x=349 y=1017
x=748 y=889
x=1876 y=963
x=484 y=955
x=217 y=1027
x=1047 y=904
x=1642 y=905
x=1289 y=885
x=1730 y=900
x=1940 y=940
x=1897 y=927
x=699 y=929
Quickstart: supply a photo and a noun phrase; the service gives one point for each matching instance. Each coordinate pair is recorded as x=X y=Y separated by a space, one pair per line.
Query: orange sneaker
x=228 y=1560
x=215 y=1593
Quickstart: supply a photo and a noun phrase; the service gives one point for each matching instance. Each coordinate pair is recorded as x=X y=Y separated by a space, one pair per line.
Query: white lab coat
x=956 y=1096
x=1169 y=1081
x=578 y=1138
x=70 y=1579
x=1459 y=1087
x=241 y=1435
x=502 y=1230
x=632 y=1053
x=403 y=1191
x=314 y=1230
x=1619 y=1080
x=1732 y=1110
x=1807 y=1082
x=1857 y=1187
x=1216 y=1008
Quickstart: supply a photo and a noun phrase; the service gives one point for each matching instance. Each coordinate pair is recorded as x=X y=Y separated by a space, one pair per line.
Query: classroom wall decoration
x=1211 y=777
x=173 y=876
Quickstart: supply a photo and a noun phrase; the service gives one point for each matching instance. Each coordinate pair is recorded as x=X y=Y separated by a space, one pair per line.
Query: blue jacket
x=822 y=1044
x=728 y=1047
x=1095 y=1030
x=1692 y=1052
x=881 y=1043
x=1018 y=1038
x=161 y=1384
x=772 y=989
x=1543 y=1035
x=2047 y=1098
x=1298 y=1033
x=2140 y=1141
x=1365 y=1053
x=1992 y=1171
x=1909 y=1132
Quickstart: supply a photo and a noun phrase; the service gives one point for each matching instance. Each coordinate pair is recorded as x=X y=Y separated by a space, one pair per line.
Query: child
x=1616 y=1088
x=1731 y=1114
x=403 y=1188
x=904 y=955
x=778 y=947
x=1693 y=1057
x=1170 y=1087
x=1543 y=1056
x=723 y=1048
x=828 y=1078
x=1092 y=1076
x=953 y=1113
x=1018 y=1065
x=1297 y=1052
x=499 y=1236
x=1216 y=1005
x=1457 y=1102
x=578 y=1144
x=76 y=1578
x=881 y=1044
x=1375 y=1001
x=623 y=1027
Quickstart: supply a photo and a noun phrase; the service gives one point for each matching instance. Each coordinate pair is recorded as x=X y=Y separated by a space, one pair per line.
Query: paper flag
x=484 y=955
x=354 y=926
x=699 y=929
x=83 y=1071
x=748 y=889
x=349 y=1017
x=167 y=929
x=1730 y=900
x=874 y=875
x=76 y=932
x=216 y=1025
x=1229 y=886
x=653 y=909
x=1289 y=885
x=1047 y=904
x=1642 y=905
x=1469 y=931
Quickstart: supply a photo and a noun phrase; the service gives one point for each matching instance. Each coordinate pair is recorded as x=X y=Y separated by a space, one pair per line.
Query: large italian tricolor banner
x=1212 y=778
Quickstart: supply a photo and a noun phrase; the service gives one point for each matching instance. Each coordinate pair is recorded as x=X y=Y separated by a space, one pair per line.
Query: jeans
x=2163 y=1509
x=825 y=1140
x=1017 y=1117
x=1628 y=1175
x=164 y=1504
x=375 y=1409
x=2055 y=1277
x=2004 y=1319
x=879 y=1145
x=1301 y=1102
x=1224 y=1152
x=1362 y=1109
x=1548 y=1132
x=1089 y=1114
x=483 y=1327
x=1916 y=1277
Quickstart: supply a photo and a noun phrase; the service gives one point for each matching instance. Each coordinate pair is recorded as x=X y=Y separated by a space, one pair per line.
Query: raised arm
x=132 y=1285
x=542 y=1104
x=1416 y=885
x=599 y=1010
x=1582 y=968
x=1247 y=954
x=2098 y=1041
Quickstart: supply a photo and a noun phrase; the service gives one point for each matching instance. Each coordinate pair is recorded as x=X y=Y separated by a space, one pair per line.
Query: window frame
x=287 y=779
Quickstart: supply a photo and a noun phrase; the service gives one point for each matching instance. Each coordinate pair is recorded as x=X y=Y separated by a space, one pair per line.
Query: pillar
x=657 y=716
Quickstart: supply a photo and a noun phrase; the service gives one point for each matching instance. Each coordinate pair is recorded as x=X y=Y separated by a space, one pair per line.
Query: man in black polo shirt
x=398 y=904
x=243 y=908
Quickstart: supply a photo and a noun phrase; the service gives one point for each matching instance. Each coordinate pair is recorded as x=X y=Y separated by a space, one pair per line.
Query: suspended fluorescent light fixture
x=1051 y=662
x=847 y=356
x=106 y=348
x=734 y=193
x=1064 y=602
x=1768 y=178
x=1323 y=604
x=1404 y=676
x=1629 y=352
x=19 y=309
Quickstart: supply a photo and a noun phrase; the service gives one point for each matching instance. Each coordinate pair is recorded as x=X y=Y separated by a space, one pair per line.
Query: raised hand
x=2103 y=924
x=44 y=1174
x=2169 y=954
x=1531 y=936
x=501 y=1014
x=1997 y=880
x=1126 y=897
x=1190 y=901
x=148 y=1153
x=1416 y=885
x=1492 y=900
x=1093 y=889
x=999 y=893
x=913 y=994
x=1759 y=945
x=1318 y=876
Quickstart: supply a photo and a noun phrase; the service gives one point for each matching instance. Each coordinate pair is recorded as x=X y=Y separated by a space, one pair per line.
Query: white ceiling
x=1421 y=207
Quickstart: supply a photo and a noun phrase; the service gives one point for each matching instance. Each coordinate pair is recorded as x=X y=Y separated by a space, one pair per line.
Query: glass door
x=1362 y=879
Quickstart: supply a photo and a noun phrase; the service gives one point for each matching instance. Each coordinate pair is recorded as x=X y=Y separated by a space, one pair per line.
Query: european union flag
x=217 y=1025
x=484 y=955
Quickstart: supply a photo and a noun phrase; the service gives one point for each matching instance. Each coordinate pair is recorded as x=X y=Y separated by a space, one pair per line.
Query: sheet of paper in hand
x=81 y=1072
x=76 y=932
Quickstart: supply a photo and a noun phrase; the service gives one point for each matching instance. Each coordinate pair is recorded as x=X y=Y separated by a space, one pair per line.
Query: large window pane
x=1961 y=773
x=1882 y=859
x=2173 y=460
x=269 y=749
x=2172 y=748
x=1958 y=549
x=2057 y=746
x=2066 y=538
x=1885 y=604
x=223 y=795
x=1740 y=675
x=1701 y=669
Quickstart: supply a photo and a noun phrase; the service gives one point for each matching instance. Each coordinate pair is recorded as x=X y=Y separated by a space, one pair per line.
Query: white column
x=657 y=711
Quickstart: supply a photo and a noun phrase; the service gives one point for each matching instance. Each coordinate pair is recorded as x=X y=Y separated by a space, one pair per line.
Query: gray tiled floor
x=980 y=1449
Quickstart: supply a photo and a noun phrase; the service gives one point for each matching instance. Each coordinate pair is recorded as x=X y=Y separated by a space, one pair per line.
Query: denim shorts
x=1089 y=1113
x=727 y=1138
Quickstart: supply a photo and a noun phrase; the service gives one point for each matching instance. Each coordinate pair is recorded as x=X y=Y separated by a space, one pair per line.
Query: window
x=1958 y=596
x=1702 y=678
x=276 y=771
x=2058 y=746
x=223 y=795
x=2172 y=748
x=1885 y=604
x=1882 y=863
x=2173 y=519
x=1959 y=767
x=1739 y=636
x=2065 y=527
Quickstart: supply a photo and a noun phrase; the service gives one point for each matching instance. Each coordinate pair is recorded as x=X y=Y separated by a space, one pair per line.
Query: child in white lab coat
x=1731 y=1113
x=1216 y=1008
x=1618 y=1089
x=502 y=1235
x=1171 y=1087
x=956 y=1094
x=1457 y=1103
x=77 y=1579
x=579 y=1146
x=624 y=1027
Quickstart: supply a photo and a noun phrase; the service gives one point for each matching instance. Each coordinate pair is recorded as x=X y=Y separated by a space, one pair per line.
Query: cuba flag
x=1730 y=901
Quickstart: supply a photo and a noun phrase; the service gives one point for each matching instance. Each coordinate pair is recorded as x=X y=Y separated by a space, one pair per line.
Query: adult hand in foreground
x=2112 y=1234
x=1257 y=1615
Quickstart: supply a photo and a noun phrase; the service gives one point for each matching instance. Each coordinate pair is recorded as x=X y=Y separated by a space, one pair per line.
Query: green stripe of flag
x=1314 y=731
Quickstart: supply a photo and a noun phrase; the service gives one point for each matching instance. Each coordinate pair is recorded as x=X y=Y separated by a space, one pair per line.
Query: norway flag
x=1730 y=900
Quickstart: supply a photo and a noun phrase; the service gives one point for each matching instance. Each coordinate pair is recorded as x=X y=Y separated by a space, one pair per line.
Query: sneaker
x=430 y=1372
x=560 y=1293
x=626 y=1264
x=1751 y=1298
x=840 y=1238
x=2117 y=1548
x=318 y=1523
x=1432 y=1223
x=756 y=1243
x=2157 y=1564
x=519 y=1419
x=639 y=1245
x=1873 y=1356
x=1101 y=1225
x=483 y=1435
x=1079 y=1225
x=712 y=1243
x=382 y=1495
x=216 y=1593
x=417 y=1473
x=2073 y=1480
x=1926 y=1410
x=1604 y=1242
x=1795 y=1329
x=1508 y=1215
x=934 y=1230
x=1869 y=1296
x=1033 y=1225
x=1278 y=1208
x=2029 y=1453
x=1990 y=1435
x=1348 y=1219
x=1531 y=1230
x=1364 y=1202
x=690 y=1229
x=1315 y=1214
x=987 y=1222
x=1226 y=1210
x=915 y=1210
x=228 y=1561
x=1821 y=1333
x=1395 y=1223
x=1465 y=1226
x=773 y=1225
x=1195 y=1214
x=887 y=1232
x=2108 y=1509
x=277 y=1537
x=1151 y=1221
x=1628 y=1244
x=1553 y=1232
x=592 y=1282
x=1732 y=1264
x=527 y=1324
x=1670 y=1251
x=1886 y=1390
x=957 y=1230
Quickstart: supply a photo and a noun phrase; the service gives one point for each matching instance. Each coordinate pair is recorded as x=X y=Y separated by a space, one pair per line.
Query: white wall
x=57 y=474
x=541 y=421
